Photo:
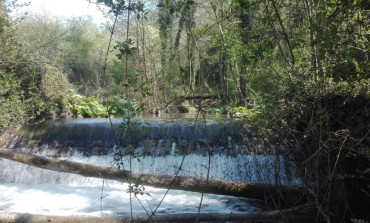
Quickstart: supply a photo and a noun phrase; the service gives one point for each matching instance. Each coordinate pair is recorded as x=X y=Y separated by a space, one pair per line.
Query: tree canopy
x=295 y=65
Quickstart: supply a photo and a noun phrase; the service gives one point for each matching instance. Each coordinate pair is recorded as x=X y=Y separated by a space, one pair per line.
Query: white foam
x=264 y=169
x=69 y=194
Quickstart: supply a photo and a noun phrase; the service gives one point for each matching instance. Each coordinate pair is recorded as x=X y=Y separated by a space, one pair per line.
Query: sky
x=65 y=8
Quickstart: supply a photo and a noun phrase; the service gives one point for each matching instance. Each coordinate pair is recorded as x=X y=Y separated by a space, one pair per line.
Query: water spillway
x=26 y=189
x=161 y=146
x=151 y=137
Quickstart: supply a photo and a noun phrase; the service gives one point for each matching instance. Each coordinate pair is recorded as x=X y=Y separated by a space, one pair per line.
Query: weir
x=25 y=189
x=160 y=145
x=155 y=137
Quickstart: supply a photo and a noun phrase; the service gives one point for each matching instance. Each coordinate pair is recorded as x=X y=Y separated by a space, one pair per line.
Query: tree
x=75 y=46
x=28 y=83
x=83 y=56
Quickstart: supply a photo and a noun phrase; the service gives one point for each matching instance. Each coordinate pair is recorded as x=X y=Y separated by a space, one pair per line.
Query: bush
x=122 y=107
x=55 y=89
x=87 y=107
x=326 y=133
x=11 y=105
x=90 y=107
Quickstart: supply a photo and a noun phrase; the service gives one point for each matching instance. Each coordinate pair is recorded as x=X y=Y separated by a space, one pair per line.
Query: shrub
x=87 y=107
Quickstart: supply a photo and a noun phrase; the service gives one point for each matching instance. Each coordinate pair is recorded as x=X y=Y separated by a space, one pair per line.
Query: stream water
x=160 y=144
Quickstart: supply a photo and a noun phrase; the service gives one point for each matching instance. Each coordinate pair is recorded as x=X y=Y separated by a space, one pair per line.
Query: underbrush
x=91 y=107
x=327 y=134
x=234 y=111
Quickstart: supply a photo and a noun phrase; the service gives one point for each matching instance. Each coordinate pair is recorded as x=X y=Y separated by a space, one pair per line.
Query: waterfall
x=154 y=137
x=25 y=189
x=160 y=146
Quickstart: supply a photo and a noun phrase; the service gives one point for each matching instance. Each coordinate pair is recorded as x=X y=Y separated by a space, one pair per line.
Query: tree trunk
x=290 y=194
x=223 y=54
x=165 y=19
x=313 y=44
x=245 y=26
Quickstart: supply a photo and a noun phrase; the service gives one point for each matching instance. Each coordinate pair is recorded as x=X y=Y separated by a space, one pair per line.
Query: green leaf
x=190 y=2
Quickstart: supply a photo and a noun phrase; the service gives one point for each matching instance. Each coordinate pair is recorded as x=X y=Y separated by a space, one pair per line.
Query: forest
x=296 y=73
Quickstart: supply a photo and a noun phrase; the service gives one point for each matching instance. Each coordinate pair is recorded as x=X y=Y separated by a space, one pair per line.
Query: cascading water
x=26 y=189
x=151 y=136
x=160 y=144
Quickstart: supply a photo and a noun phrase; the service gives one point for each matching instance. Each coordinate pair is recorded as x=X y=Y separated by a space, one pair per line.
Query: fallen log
x=290 y=194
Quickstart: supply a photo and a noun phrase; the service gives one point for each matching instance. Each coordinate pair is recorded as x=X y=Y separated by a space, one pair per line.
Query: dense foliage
x=30 y=88
x=299 y=71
